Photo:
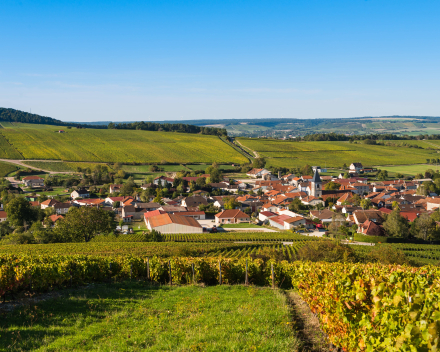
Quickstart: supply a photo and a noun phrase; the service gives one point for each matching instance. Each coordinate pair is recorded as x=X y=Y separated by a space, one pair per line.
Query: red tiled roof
x=231 y=214
x=27 y=178
x=3 y=215
x=56 y=217
x=149 y=214
x=280 y=219
x=166 y=219
x=268 y=213
x=50 y=202
x=295 y=219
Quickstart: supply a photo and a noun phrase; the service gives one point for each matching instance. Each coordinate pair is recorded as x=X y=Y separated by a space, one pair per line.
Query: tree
x=84 y=223
x=306 y=170
x=365 y=203
x=396 y=225
x=296 y=205
x=395 y=205
x=331 y=186
x=382 y=175
x=154 y=168
x=346 y=175
x=215 y=176
x=153 y=236
x=425 y=228
x=259 y=163
x=231 y=203
x=20 y=212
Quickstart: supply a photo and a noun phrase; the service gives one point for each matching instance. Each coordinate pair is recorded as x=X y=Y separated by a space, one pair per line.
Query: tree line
x=168 y=127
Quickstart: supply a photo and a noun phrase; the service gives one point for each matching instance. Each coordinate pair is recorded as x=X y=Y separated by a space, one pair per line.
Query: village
x=347 y=206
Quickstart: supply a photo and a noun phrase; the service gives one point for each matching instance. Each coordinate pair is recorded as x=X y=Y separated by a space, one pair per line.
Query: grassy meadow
x=335 y=154
x=28 y=141
x=6 y=168
x=137 y=316
x=410 y=170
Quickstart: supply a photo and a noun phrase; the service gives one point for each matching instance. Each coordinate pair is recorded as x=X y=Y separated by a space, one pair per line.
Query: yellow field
x=335 y=154
x=42 y=142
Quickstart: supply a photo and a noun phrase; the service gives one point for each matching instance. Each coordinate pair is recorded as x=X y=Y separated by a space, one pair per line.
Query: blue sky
x=169 y=60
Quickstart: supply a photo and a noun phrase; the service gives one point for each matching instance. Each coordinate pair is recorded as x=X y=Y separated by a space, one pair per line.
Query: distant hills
x=276 y=128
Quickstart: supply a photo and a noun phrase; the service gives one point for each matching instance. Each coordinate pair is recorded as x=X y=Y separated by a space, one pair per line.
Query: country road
x=20 y=163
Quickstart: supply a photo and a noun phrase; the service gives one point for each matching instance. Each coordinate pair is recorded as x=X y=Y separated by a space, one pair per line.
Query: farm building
x=294 y=222
x=173 y=223
x=33 y=181
x=257 y=173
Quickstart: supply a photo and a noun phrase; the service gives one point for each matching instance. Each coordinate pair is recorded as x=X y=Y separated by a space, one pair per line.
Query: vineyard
x=41 y=142
x=286 y=236
x=334 y=154
x=361 y=307
x=421 y=253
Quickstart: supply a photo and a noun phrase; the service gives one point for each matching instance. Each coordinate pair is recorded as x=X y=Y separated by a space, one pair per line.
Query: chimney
x=279 y=175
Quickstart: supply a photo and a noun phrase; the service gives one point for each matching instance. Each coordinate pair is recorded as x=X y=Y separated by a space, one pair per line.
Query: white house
x=33 y=181
x=356 y=167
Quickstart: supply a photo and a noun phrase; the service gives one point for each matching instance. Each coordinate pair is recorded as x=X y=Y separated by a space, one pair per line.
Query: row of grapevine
x=361 y=307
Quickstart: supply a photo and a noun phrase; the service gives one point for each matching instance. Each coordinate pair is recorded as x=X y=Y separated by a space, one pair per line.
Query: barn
x=172 y=223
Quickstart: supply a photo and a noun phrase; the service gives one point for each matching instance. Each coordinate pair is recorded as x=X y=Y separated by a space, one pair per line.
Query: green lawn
x=410 y=169
x=137 y=316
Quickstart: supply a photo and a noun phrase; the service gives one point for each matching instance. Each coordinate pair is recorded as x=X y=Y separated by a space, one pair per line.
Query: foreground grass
x=137 y=316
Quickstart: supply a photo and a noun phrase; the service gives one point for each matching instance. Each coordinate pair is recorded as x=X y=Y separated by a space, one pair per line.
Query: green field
x=335 y=154
x=145 y=169
x=6 y=168
x=410 y=170
x=138 y=316
x=42 y=142
x=62 y=166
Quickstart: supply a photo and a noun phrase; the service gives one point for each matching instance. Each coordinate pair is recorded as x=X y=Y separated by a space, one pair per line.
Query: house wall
x=277 y=225
x=230 y=221
x=177 y=228
x=288 y=226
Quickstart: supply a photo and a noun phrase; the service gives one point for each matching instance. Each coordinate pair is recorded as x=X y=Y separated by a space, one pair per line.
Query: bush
x=369 y=239
x=153 y=236
x=327 y=251
x=388 y=255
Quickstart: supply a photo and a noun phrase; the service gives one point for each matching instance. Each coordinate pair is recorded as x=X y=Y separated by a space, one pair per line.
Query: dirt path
x=308 y=327
x=245 y=149
x=21 y=163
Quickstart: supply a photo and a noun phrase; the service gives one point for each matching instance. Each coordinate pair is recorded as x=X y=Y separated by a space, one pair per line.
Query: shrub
x=327 y=251
x=387 y=255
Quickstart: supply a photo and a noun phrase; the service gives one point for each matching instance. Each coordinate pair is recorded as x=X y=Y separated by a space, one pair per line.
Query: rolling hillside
x=335 y=154
x=29 y=141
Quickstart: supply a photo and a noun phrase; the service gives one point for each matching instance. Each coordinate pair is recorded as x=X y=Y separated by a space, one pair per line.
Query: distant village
x=282 y=202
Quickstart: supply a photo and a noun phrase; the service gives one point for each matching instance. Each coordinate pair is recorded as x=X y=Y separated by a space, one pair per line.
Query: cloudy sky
x=168 y=60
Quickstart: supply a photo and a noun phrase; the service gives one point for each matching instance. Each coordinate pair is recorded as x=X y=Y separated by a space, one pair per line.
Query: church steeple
x=316 y=185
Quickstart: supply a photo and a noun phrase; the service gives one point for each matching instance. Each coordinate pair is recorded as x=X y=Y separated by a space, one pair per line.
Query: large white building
x=173 y=223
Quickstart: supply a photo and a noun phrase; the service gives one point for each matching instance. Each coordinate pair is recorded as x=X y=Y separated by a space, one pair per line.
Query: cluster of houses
x=268 y=198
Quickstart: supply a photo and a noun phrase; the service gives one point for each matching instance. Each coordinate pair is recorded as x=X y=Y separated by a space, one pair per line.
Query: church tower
x=316 y=185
